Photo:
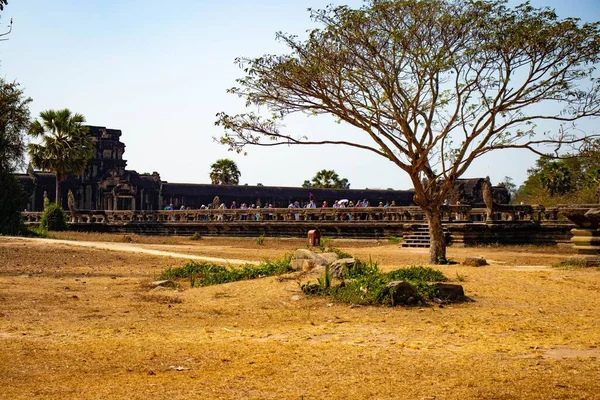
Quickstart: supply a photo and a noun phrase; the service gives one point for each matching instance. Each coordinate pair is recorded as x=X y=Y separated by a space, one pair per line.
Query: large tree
x=14 y=121
x=434 y=84
x=327 y=178
x=224 y=172
x=65 y=146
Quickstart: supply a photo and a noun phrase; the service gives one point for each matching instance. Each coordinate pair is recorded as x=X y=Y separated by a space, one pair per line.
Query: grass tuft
x=571 y=263
x=206 y=274
x=196 y=236
x=394 y=239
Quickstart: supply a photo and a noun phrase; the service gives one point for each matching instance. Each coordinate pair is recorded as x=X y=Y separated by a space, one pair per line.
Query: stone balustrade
x=411 y=214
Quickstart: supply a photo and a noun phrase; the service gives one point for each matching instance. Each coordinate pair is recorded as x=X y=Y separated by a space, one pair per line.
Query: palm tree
x=65 y=146
x=225 y=172
x=328 y=178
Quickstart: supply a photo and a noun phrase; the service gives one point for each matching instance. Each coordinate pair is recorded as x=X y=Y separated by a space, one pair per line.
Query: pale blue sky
x=159 y=71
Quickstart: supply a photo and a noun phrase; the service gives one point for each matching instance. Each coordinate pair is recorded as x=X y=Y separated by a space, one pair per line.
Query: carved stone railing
x=586 y=236
x=454 y=213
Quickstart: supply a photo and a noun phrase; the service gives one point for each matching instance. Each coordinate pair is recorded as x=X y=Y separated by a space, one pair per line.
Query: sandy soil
x=79 y=321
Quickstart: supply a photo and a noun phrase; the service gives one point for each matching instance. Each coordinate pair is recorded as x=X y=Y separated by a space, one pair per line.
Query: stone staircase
x=421 y=238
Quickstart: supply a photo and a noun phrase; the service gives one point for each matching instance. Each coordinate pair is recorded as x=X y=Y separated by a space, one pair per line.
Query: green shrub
x=54 y=218
x=260 y=240
x=417 y=274
x=206 y=274
x=196 y=236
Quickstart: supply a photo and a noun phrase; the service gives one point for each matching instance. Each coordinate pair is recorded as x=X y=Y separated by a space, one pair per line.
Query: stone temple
x=106 y=184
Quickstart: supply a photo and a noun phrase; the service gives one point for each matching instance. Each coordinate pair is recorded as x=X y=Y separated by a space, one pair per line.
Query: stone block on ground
x=338 y=268
x=402 y=292
x=330 y=257
x=306 y=260
x=475 y=261
x=449 y=291
x=163 y=284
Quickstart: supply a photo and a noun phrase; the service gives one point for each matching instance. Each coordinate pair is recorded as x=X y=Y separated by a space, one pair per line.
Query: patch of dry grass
x=81 y=323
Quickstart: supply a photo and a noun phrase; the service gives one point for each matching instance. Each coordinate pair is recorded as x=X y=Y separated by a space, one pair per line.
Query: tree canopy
x=575 y=179
x=224 y=172
x=14 y=121
x=65 y=146
x=434 y=85
x=327 y=178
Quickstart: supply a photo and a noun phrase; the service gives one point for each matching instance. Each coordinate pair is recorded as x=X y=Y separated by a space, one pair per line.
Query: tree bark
x=57 y=198
x=437 y=249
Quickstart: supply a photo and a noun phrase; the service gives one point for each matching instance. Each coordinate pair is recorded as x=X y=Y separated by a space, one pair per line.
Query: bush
x=54 y=218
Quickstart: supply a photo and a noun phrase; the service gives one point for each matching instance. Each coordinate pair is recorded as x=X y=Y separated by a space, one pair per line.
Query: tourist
x=220 y=216
x=244 y=215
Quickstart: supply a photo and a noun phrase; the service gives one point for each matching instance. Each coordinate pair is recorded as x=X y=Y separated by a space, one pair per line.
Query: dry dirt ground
x=80 y=322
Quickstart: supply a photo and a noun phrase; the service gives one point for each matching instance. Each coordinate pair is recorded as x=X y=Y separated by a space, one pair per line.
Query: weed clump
x=206 y=274
x=571 y=263
x=394 y=239
x=196 y=236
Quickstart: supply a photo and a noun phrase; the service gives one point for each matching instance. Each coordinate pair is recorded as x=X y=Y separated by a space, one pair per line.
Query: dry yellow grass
x=82 y=323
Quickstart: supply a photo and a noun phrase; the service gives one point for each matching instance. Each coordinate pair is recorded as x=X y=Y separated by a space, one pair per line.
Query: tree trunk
x=57 y=199
x=437 y=249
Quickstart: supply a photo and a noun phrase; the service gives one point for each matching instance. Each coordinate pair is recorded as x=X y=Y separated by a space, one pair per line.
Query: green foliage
x=325 y=280
x=394 y=239
x=206 y=274
x=196 y=236
x=367 y=285
x=65 y=146
x=556 y=178
x=11 y=200
x=416 y=274
x=14 y=121
x=260 y=240
x=568 y=181
x=54 y=218
x=327 y=178
x=326 y=242
x=571 y=263
x=224 y=172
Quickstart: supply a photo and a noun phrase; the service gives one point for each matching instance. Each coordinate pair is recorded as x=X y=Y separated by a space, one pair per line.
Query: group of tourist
x=311 y=204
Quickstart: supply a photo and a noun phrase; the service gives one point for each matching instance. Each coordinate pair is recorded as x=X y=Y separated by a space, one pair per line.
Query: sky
x=159 y=72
